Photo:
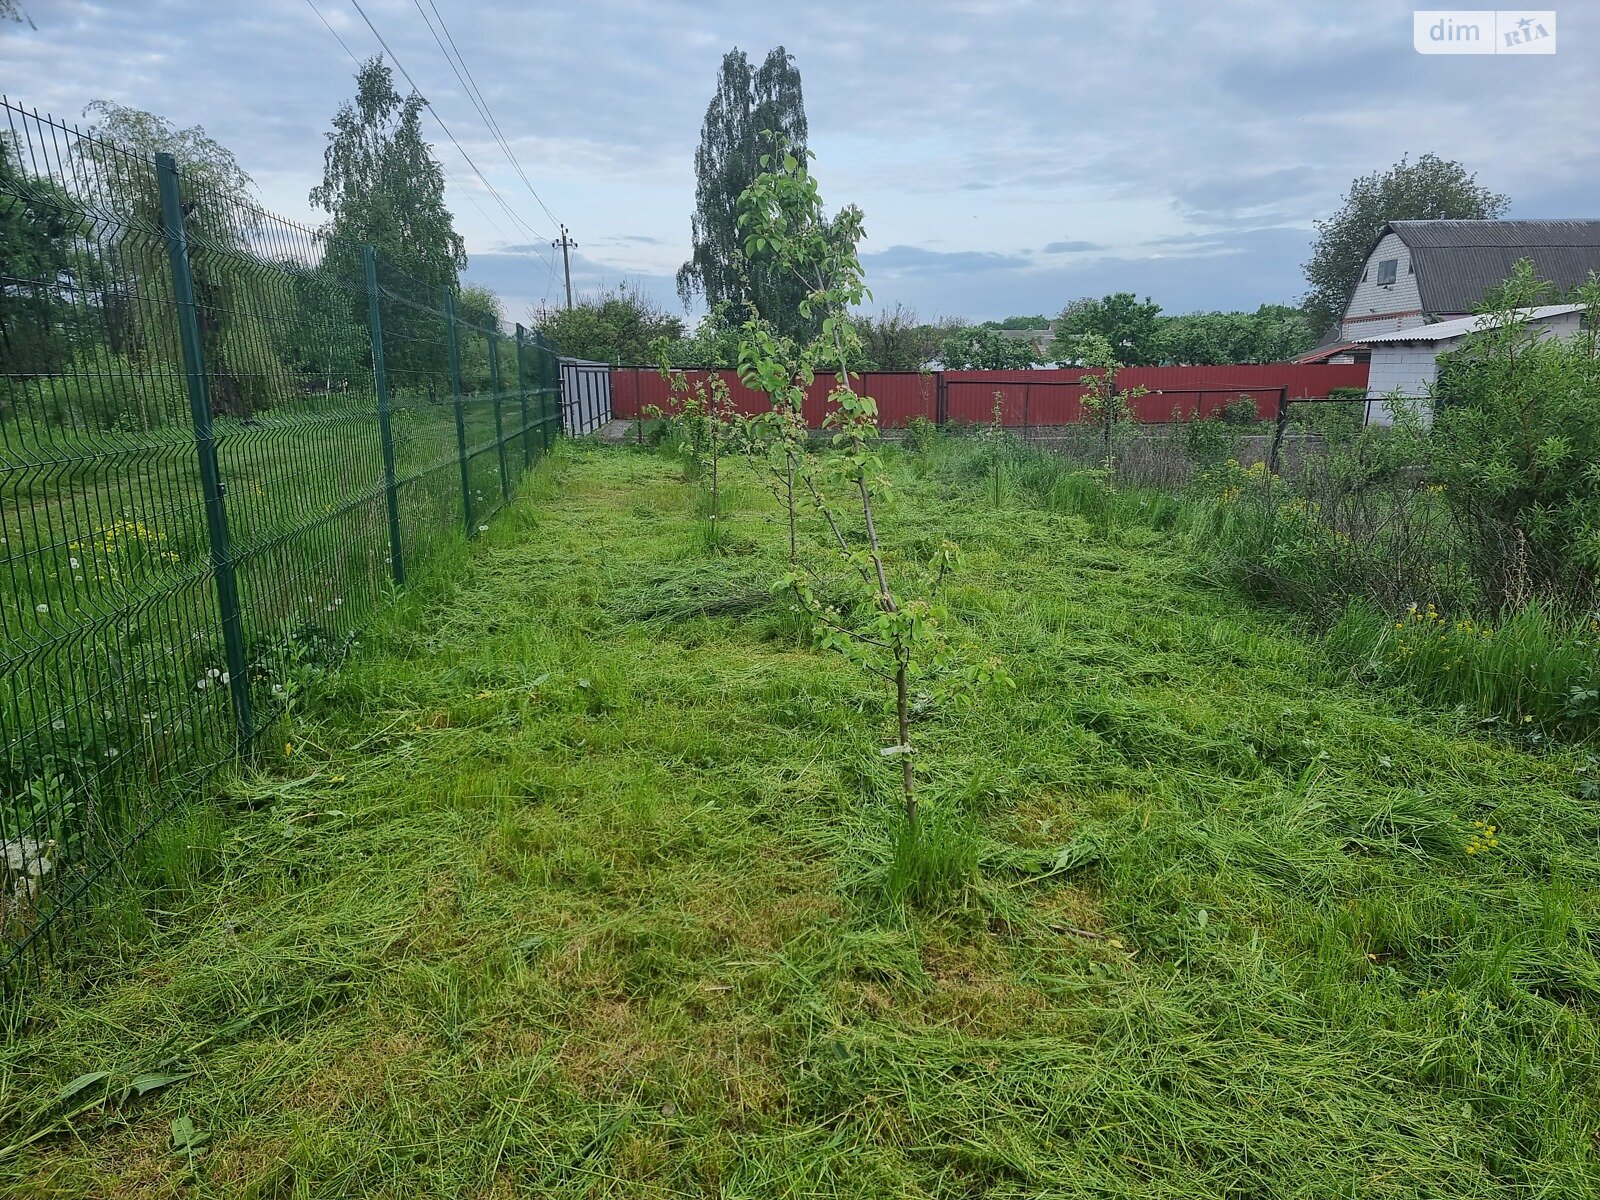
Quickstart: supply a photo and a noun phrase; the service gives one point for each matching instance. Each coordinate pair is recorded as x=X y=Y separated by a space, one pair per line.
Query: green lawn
x=578 y=880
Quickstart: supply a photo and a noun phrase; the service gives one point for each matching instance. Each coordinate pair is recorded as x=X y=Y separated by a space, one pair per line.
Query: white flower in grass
x=112 y=752
x=212 y=672
x=41 y=608
x=201 y=685
x=223 y=678
x=483 y=529
x=73 y=563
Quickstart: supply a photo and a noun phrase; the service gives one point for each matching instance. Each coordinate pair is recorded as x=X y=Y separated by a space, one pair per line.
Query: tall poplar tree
x=747 y=106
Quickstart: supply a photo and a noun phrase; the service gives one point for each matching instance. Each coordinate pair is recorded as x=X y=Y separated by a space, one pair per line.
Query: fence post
x=461 y=416
x=211 y=485
x=1282 y=428
x=492 y=332
x=638 y=410
x=1107 y=417
x=941 y=400
x=522 y=398
x=380 y=383
x=550 y=372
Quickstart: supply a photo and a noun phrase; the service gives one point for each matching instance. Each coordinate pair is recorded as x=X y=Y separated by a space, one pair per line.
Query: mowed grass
x=582 y=880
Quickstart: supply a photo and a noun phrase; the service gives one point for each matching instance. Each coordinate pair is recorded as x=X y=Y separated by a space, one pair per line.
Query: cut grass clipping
x=585 y=880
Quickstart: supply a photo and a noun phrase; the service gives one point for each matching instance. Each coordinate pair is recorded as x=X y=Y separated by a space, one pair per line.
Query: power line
x=471 y=199
x=479 y=100
x=335 y=33
x=482 y=178
x=547 y=261
x=474 y=93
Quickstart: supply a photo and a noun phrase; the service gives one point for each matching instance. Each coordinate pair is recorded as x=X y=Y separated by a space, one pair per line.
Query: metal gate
x=585 y=396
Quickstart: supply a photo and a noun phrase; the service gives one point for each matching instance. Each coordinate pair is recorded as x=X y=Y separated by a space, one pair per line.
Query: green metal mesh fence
x=208 y=480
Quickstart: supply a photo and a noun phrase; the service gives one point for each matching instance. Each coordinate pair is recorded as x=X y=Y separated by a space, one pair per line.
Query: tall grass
x=1365 y=560
x=1536 y=666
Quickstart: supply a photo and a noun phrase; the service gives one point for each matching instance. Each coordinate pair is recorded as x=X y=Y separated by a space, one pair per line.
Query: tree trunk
x=908 y=776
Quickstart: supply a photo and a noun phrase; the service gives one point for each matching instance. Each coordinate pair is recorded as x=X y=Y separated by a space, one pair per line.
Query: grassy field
x=581 y=880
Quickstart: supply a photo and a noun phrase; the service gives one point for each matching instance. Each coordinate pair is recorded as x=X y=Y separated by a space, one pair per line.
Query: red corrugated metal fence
x=1027 y=398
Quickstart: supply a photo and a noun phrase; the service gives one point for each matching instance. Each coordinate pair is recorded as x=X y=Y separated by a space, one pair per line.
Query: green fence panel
x=224 y=439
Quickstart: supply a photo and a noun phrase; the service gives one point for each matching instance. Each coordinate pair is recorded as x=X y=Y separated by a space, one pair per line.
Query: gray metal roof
x=1444 y=331
x=1456 y=262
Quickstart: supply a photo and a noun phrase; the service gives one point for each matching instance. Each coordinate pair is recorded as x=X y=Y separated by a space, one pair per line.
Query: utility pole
x=566 y=243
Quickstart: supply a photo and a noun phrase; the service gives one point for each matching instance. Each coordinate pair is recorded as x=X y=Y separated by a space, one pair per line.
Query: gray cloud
x=901 y=261
x=1240 y=123
x=1236 y=269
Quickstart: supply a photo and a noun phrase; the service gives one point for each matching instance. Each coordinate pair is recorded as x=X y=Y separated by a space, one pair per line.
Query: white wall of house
x=1372 y=301
x=1406 y=368
x=1410 y=369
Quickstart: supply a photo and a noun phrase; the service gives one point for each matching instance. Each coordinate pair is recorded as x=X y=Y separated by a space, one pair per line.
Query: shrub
x=1338 y=420
x=1516 y=446
x=1355 y=524
x=1208 y=442
x=100 y=392
x=921 y=435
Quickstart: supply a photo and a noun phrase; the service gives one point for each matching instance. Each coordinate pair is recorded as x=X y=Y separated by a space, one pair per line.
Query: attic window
x=1386 y=271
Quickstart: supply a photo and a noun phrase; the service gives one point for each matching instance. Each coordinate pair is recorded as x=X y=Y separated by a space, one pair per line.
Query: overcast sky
x=1009 y=155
